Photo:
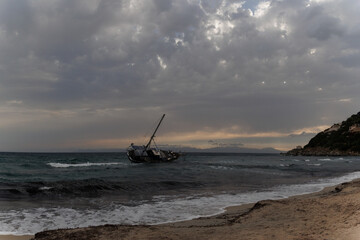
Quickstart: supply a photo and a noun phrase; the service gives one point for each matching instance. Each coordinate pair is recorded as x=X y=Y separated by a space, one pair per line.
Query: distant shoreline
x=123 y=151
x=320 y=151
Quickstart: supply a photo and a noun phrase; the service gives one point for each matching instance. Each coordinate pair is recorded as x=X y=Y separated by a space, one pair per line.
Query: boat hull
x=141 y=155
x=145 y=154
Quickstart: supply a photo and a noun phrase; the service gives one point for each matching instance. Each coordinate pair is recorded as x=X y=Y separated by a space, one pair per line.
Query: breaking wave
x=87 y=164
x=160 y=210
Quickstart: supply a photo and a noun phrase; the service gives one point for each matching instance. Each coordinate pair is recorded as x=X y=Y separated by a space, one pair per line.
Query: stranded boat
x=147 y=154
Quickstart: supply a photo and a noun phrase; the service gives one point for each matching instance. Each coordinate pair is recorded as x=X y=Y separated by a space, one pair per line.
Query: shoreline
x=16 y=237
x=327 y=214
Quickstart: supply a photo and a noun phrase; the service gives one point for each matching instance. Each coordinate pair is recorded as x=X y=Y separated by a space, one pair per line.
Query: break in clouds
x=98 y=74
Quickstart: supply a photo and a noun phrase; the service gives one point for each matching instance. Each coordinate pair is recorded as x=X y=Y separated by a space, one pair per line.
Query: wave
x=287 y=165
x=87 y=164
x=324 y=159
x=88 y=188
x=221 y=168
x=161 y=209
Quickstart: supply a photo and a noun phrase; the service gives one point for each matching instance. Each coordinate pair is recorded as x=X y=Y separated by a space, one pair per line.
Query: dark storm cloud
x=75 y=71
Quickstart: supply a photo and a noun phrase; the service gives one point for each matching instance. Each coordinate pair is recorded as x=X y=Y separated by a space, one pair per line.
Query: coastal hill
x=341 y=139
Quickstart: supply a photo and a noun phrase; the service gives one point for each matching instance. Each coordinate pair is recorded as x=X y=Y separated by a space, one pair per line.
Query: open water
x=42 y=191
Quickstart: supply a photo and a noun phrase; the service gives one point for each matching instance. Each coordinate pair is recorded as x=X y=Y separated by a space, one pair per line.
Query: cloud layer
x=97 y=74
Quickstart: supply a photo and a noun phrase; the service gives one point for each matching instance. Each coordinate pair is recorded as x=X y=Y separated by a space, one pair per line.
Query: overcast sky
x=92 y=74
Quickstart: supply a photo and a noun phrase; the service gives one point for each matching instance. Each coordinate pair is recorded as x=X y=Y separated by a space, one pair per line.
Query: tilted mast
x=152 y=137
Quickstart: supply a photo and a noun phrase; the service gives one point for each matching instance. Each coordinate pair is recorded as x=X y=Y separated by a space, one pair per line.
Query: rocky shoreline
x=320 y=151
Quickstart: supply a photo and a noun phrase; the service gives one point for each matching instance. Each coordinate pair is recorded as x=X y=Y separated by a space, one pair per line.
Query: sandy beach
x=333 y=213
x=12 y=237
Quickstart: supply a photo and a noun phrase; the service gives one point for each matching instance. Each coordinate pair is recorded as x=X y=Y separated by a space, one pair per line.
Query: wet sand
x=13 y=237
x=331 y=214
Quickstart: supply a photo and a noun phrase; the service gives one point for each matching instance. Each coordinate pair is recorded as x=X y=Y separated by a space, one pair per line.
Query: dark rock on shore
x=341 y=139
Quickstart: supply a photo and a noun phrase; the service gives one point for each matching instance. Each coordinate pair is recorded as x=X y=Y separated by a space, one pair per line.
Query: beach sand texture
x=333 y=213
x=12 y=237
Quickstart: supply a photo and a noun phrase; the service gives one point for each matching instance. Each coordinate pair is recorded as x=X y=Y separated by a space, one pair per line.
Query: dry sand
x=333 y=213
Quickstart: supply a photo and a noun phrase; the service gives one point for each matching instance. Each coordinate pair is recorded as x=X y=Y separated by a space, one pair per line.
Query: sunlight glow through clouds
x=321 y=1
x=161 y=62
x=312 y=51
x=345 y=100
x=17 y=102
x=181 y=138
x=262 y=9
x=231 y=134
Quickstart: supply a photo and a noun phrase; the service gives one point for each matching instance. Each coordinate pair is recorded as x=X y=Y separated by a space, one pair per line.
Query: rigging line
x=155 y=144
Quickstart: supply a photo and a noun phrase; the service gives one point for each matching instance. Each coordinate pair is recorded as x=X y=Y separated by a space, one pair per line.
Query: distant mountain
x=341 y=139
x=193 y=149
x=226 y=150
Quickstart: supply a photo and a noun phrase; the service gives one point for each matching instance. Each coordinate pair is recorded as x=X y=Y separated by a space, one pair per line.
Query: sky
x=98 y=74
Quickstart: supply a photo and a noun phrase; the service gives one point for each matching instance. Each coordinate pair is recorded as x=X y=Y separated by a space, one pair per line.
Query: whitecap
x=87 y=164
x=324 y=159
x=160 y=210
x=221 y=168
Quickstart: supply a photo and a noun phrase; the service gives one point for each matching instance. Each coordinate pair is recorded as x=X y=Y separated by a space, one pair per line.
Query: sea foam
x=161 y=209
x=87 y=164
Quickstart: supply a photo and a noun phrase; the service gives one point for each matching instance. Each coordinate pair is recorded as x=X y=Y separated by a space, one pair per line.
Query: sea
x=44 y=191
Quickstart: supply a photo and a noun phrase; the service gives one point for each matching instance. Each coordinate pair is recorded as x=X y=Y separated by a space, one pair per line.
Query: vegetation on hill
x=340 y=139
